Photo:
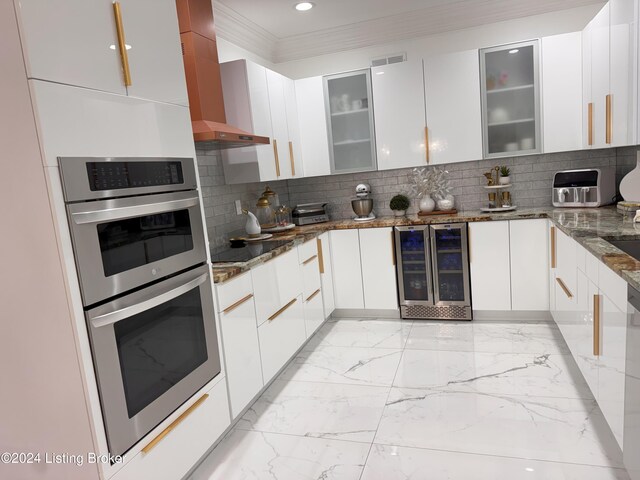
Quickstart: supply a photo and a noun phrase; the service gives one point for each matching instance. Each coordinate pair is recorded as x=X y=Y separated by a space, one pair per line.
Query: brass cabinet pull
x=175 y=423
x=567 y=292
x=596 y=325
x=320 y=256
x=291 y=159
x=393 y=250
x=275 y=156
x=426 y=143
x=590 y=123
x=312 y=295
x=231 y=308
x=310 y=259
x=122 y=46
x=609 y=126
x=279 y=312
x=553 y=247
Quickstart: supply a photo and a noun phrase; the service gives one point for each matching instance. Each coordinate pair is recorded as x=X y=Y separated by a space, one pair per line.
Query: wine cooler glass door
x=414 y=265
x=450 y=264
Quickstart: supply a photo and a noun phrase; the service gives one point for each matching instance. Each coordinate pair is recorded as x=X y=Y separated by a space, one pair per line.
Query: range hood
x=204 y=85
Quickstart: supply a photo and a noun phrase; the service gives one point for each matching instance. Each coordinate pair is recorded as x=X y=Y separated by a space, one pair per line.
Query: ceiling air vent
x=388 y=60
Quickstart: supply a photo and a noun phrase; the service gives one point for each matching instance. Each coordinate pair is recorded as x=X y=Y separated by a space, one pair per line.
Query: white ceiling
x=276 y=31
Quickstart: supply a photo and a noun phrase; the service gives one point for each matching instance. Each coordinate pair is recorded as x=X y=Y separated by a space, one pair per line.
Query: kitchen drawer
x=183 y=446
x=313 y=312
x=275 y=283
x=593 y=265
x=581 y=258
x=566 y=266
x=281 y=337
x=307 y=250
x=613 y=286
x=232 y=291
x=310 y=277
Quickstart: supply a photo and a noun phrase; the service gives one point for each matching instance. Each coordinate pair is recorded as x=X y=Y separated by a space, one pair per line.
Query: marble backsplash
x=531 y=179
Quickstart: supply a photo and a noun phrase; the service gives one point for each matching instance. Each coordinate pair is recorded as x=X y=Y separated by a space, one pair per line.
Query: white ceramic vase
x=630 y=184
x=446 y=203
x=399 y=213
x=504 y=180
x=427 y=204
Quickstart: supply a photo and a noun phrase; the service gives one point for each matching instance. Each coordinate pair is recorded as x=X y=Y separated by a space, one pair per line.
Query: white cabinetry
x=562 y=92
x=76 y=43
x=454 y=121
x=490 y=269
x=326 y=274
x=308 y=254
x=399 y=115
x=314 y=140
x=239 y=332
x=347 y=269
x=528 y=240
x=378 y=269
x=293 y=127
x=279 y=127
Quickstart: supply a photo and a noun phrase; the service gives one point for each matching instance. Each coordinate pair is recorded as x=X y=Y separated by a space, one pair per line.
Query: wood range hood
x=204 y=85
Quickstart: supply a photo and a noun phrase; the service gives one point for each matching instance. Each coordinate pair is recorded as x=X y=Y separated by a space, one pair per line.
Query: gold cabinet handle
x=275 y=156
x=310 y=259
x=567 y=292
x=609 y=126
x=231 y=308
x=596 y=325
x=279 y=312
x=320 y=255
x=553 y=247
x=311 y=297
x=426 y=143
x=175 y=423
x=291 y=159
x=590 y=123
x=122 y=46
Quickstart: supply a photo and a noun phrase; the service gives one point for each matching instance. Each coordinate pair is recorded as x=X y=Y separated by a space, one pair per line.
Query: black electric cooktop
x=226 y=254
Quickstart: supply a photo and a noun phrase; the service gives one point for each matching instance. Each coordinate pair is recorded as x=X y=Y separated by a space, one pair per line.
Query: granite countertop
x=591 y=227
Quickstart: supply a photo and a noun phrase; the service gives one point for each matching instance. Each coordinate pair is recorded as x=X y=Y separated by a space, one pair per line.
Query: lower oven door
x=152 y=351
x=124 y=243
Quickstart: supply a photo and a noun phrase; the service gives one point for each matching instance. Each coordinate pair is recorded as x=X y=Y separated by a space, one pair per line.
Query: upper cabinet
x=349 y=109
x=452 y=90
x=78 y=43
x=399 y=115
x=293 y=128
x=562 y=92
x=510 y=99
x=312 y=123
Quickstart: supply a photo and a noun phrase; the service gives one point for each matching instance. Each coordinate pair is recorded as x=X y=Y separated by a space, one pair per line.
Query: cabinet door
x=510 y=99
x=566 y=260
x=155 y=57
x=623 y=76
x=73 y=42
x=579 y=334
x=587 y=88
x=378 y=269
x=347 y=269
x=314 y=140
x=313 y=312
x=529 y=265
x=562 y=92
x=551 y=259
x=600 y=75
x=452 y=90
x=294 y=149
x=241 y=354
x=349 y=108
x=398 y=94
x=278 y=109
x=326 y=274
x=611 y=365
x=490 y=269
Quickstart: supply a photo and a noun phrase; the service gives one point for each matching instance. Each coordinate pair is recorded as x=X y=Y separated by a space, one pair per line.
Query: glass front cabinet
x=510 y=99
x=349 y=109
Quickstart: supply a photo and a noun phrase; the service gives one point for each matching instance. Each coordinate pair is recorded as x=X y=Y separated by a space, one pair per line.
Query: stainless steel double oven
x=140 y=251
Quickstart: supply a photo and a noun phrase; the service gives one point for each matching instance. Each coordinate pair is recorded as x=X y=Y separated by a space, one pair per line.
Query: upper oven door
x=153 y=350
x=124 y=243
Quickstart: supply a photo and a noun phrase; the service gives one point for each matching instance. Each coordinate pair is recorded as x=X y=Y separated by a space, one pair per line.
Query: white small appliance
x=588 y=187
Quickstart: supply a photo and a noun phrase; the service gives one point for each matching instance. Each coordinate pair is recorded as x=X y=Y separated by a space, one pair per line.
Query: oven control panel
x=118 y=175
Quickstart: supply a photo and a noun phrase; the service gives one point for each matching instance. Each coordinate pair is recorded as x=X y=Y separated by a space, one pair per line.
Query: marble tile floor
x=388 y=399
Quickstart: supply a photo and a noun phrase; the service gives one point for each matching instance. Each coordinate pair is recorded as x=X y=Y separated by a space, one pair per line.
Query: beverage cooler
x=433 y=271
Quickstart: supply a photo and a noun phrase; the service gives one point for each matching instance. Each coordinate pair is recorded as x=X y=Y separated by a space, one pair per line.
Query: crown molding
x=244 y=33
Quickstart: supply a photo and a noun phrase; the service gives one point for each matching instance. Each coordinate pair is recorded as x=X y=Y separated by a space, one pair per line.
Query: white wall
x=487 y=35
x=228 y=52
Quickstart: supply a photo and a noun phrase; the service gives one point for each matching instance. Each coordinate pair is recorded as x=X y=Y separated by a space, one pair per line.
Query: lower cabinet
x=313 y=312
x=281 y=336
x=181 y=449
x=347 y=269
x=528 y=247
x=326 y=274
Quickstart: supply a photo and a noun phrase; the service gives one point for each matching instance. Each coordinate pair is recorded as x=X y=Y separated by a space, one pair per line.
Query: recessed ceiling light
x=515 y=50
x=304 y=6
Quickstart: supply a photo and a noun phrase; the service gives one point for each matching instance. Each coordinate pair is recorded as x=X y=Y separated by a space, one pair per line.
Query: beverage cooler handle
x=131 y=310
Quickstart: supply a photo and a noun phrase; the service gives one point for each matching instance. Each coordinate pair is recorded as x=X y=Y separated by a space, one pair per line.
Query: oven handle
x=117 y=315
x=117 y=213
